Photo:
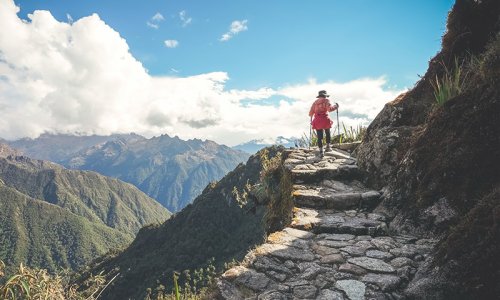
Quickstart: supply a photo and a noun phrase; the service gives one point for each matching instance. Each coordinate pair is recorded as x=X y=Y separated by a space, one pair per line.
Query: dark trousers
x=319 y=132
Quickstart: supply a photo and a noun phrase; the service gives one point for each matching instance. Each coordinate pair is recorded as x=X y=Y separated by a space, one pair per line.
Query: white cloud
x=81 y=78
x=235 y=28
x=152 y=25
x=184 y=18
x=171 y=43
x=154 y=21
x=157 y=17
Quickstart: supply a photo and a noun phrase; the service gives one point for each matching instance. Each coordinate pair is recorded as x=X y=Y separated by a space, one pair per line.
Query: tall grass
x=348 y=135
x=38 y=284
x=351 y=134
x=452 y=83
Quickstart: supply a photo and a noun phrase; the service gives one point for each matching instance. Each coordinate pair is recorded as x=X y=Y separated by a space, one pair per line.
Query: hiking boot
x=328 y=149
x=320 y=152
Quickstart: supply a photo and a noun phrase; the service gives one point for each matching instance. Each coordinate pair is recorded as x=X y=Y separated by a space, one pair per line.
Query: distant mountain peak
x=6 y=151
x=169 y=169
x=258 y=144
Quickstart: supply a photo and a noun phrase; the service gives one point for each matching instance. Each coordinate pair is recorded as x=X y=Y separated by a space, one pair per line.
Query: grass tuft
x=452 y=83
x=35 y=284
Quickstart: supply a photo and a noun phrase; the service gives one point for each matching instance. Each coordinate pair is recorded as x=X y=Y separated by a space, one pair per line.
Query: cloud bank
x=81 y=78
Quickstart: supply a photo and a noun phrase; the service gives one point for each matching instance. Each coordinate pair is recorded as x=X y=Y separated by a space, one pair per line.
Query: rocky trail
x=335 y=248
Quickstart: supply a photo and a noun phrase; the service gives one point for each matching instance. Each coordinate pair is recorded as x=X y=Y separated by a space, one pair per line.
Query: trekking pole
x=338 y=124
x=310 y=132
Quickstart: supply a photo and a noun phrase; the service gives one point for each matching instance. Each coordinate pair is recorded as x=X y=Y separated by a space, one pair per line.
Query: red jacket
x=319 y=109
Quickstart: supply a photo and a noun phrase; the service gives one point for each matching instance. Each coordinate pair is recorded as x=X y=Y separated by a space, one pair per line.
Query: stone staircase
x=335 y=248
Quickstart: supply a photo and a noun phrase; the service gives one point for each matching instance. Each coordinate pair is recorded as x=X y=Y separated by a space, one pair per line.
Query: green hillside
x=41 y=234
x=219 y=224
x=56 y=218
x=97 y=198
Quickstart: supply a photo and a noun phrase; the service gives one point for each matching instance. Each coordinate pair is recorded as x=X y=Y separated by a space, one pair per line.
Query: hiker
x=321 y=121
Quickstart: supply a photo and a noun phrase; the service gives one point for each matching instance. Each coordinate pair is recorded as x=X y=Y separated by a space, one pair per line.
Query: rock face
x=439 y=165
x=328 y=252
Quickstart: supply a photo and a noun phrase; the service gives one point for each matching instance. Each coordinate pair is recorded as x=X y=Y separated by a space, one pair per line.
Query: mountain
x=39 y=234
x=60 y=147
x=255 y=145
x=168 y=169
x=439 y=164
x=221 y=224
x=58 y=218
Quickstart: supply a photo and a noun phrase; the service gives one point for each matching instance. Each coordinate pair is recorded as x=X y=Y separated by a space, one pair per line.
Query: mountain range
x=168 y=169
x=57 y=218
x=255 y=145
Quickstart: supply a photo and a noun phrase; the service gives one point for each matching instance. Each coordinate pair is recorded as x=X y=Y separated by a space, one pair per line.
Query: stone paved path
x=335 y=247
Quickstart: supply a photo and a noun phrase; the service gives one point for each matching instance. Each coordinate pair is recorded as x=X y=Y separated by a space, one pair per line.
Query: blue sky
x=287 y=41
x=229 y=71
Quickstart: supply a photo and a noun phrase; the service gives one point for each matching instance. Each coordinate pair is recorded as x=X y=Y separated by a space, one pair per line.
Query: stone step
x=323 y=197
x=307 y=167
x=297 y=264
x=333 y=171
x=314 y=151
x=345 y=222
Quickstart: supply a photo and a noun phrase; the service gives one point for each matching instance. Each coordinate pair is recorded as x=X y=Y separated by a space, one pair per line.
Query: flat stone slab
x=379 y=254
x=285 y=252
x=354 y=289
x=327 y=221
x=329 y=198
x=284 y=238
x=372 y=264
x=333 y=171
x=386 y=282
x=247 y=277
x=330 y=295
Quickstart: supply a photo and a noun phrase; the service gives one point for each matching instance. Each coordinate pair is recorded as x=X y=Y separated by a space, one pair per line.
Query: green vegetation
x=452 y=83
x=276 y=186
x=472 y=68
x=38 y=284
x=349 y=135
x=40 y=234
x=188 y=285
x=215 y=225
x=55 y=219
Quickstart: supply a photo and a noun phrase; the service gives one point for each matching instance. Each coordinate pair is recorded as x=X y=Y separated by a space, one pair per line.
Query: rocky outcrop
x=438 y=165
x=335 y=247
x=6 y=151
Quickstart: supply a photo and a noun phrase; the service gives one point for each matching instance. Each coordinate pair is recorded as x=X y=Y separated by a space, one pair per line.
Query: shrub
x=189 y=285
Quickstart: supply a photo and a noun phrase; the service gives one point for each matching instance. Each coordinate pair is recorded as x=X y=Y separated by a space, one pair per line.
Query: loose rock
x=385 y=282
x=372 y=264
x=354 y=289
